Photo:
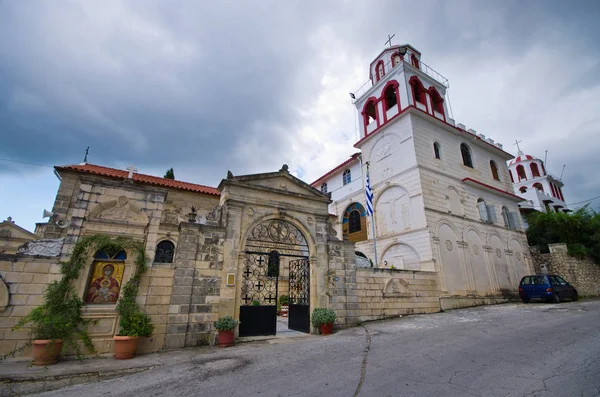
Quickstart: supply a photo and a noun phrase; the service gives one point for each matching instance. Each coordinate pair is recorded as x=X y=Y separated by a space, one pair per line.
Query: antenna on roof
x=546 y=157
x=562 y=172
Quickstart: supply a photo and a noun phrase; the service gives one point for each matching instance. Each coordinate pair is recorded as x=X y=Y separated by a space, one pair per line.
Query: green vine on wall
x=59 y=317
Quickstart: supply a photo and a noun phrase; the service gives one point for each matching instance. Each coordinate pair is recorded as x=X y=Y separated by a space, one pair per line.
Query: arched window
x=354 y=222
x=511 y=176
x=347 y=177
x=391 y=98
x=396 y=59
x=552 y=189
x=506 y=216
x=436 y=100
x=324 y=188
x=369 y=112
x=164 y=252
x=379 y=70
x=418 y=91
x=437 y=151
x=120 y=255
x=521 y=172
x=560 y=193
x=538 y=186
x=535 y=171
x=414 y=61
x=494 y=169
x=466 y=155
x=523 y=189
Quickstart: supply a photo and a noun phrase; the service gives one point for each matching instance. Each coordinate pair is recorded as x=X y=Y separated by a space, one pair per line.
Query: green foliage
x=170 y=174
x=580 y=230
x=226 y=323
x=59 y=317
x=322 y=316
x=284 y=300
x=255 y=303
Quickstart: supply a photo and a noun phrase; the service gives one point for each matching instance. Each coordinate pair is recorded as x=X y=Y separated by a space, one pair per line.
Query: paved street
x=506 y=350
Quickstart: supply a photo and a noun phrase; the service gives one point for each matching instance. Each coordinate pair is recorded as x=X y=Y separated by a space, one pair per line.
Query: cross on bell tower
x=519 y=152
x=390 y=39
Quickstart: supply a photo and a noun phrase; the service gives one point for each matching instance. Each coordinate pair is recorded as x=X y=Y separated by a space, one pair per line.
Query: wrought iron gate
x=258 y=310
x=266 y=243
x=299 y=312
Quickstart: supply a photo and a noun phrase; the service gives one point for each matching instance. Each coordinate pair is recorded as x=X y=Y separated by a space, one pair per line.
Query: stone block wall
x=26 y=281
x=583 y=274
x=384 y=293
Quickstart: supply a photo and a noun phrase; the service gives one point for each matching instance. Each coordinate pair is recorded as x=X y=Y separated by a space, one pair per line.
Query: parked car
x=551 y=288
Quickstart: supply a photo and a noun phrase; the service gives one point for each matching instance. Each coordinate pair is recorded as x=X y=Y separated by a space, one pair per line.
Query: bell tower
x=398 y=79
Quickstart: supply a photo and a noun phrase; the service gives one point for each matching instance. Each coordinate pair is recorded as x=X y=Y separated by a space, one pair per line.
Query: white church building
x=541 y=190
x=443 y=195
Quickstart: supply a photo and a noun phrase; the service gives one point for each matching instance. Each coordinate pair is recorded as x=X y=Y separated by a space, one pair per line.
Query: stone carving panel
x=502 y=273
x=451 y=262
x=45 y=247
x=396 y=288
x=123 y=210
x=454 y=203
x=393 y=211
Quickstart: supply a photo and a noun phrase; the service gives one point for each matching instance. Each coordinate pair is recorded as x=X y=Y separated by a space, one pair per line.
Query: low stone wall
x=583 y=274
x=26 y=280
x=384 y=293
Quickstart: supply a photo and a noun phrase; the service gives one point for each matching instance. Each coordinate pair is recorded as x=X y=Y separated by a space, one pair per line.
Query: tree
x=170 y=174
x=580 y=230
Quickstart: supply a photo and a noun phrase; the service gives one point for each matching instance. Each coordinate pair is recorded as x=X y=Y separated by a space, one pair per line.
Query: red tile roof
x=352 y=158
x=140 y=178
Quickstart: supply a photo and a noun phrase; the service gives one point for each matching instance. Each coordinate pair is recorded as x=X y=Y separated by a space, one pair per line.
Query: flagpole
x=369 y=195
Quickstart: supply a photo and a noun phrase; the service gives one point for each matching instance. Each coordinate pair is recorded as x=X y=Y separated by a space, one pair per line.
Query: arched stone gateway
x=275 y=263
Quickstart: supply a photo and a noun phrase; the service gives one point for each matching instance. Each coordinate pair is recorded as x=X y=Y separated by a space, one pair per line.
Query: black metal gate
x=299 y=312
x=266 y=244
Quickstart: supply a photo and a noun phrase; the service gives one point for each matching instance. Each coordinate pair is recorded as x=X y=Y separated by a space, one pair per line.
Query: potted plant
x=131 y=326
x=284 y=302
x=324 y=319
x=225 y=326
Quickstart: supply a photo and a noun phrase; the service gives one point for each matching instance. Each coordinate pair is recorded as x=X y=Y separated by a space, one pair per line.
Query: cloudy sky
x=206 y=87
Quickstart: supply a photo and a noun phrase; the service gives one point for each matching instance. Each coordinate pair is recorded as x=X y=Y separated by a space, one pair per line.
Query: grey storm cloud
x=206 y=87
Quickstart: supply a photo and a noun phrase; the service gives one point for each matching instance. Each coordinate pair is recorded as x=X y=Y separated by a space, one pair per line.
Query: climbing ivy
x=59 y=317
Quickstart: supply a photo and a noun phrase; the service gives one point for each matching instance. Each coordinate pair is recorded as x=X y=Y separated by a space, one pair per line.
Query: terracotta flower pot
x=284 y=311
x=326 y=329
x=226 y=338
x=46 y=352
x=125 y=346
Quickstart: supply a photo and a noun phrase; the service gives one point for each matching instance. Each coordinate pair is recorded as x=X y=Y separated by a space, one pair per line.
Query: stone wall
x=26 y=280
x=583 y=274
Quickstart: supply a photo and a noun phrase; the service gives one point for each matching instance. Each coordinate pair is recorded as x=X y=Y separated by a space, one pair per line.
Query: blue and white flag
x=369 y=194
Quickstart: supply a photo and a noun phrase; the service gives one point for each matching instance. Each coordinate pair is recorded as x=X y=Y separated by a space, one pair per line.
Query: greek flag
x=369 y=194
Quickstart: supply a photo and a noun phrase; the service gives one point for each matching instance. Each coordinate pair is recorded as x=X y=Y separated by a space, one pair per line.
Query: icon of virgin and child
x=104 y=289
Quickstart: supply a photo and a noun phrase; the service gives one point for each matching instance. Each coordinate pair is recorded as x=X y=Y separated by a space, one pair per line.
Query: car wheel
x=575 y=297
x=525 y=300
x=556 y=298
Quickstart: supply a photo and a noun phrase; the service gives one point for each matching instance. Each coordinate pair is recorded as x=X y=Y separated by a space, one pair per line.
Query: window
x=396 y=59
x=511 y=219
x=390 y=96
x=437 y=150
x=369 y=113
x=324 y=188
x=418 y=91
x=486 y=212
x=538 y=186
x=347 y=177
x=511 y=176
x=436 y=100
x=466 y=155
x=354 y=222
x=505 y=215
x=379 y=69
x=523 y=189
x=414 y=61
x=521 y=172
x=552 y=189
x=535 y=171
x=164 y=252
x=494 y=169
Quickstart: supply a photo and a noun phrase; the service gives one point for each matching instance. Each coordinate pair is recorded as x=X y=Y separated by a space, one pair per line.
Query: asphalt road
x=505 y=350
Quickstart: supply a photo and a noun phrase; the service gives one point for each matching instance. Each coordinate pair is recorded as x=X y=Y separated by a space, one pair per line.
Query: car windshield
x=533 y=280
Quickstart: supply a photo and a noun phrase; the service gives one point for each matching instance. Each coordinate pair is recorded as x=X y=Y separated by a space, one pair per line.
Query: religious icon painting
x=105 y=283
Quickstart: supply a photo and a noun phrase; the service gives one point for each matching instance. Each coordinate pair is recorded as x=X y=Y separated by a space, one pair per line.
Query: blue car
x=551 y=288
